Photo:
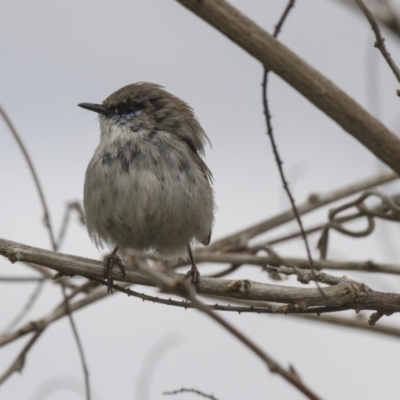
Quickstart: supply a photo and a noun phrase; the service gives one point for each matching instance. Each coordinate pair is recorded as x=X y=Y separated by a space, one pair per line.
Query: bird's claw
x=110 y=262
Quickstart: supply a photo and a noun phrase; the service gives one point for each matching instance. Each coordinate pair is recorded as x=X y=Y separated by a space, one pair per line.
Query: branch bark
x=342 y=292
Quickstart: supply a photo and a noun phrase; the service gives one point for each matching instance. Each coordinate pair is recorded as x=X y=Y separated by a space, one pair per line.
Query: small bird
x=147 y=187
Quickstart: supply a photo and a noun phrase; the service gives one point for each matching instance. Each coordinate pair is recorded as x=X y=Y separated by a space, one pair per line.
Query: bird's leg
x=110 y=261
x=193 y=273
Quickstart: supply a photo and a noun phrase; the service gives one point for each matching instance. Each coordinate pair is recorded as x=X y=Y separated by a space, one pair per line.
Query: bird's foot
x=110 y=261
x=194 y=275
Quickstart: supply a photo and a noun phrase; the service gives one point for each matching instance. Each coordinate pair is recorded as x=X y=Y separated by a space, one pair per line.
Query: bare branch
x=301 y=76
x=346 y=294
x=26 y=308
x=302 y=263
x=315 y=201
x=274 y=146
x=72 y=206
x=19 y=362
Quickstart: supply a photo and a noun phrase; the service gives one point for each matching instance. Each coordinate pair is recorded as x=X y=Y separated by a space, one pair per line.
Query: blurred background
x=56 y=54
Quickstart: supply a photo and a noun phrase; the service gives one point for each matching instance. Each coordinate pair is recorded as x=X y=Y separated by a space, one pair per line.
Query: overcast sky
x=56 y=54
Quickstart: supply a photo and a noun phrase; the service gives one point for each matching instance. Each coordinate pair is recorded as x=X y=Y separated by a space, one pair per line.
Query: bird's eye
x=130 y=110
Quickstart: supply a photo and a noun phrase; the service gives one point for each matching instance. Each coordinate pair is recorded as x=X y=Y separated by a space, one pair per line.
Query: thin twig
x=303 y=263
x=78 y=343
x=380 y=41
x=19 y=362
x=270 y=133
x=149 y=365
x=20 y=279
x=73 y=206
x=58 y=312
x=33 y=173
x=190 y=390
x=25 y=309
x=283 y=17
x=356 y=323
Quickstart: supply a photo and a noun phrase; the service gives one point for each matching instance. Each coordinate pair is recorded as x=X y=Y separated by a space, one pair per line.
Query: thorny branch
x=344 y=293
x=97 y=294
x=274 y=146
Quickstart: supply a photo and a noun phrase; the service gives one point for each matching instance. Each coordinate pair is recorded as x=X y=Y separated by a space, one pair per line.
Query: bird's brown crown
x=162 y=109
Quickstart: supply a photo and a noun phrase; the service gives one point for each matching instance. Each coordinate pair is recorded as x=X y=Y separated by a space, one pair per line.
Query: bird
x=147 y=187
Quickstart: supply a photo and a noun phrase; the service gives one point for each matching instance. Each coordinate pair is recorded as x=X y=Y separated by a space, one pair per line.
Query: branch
x=302 y=263
x=314 y=202
x=19 y=362
x=301 y=76
x=345 y=293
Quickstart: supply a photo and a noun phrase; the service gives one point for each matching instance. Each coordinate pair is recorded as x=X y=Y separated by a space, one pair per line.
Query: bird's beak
x=96 y=108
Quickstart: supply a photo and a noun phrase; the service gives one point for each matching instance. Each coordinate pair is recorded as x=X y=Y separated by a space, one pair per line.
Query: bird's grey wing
x=199 y=161
x=208 y=175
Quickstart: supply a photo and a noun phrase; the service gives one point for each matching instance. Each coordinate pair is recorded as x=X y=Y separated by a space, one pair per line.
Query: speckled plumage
x=146 y=187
